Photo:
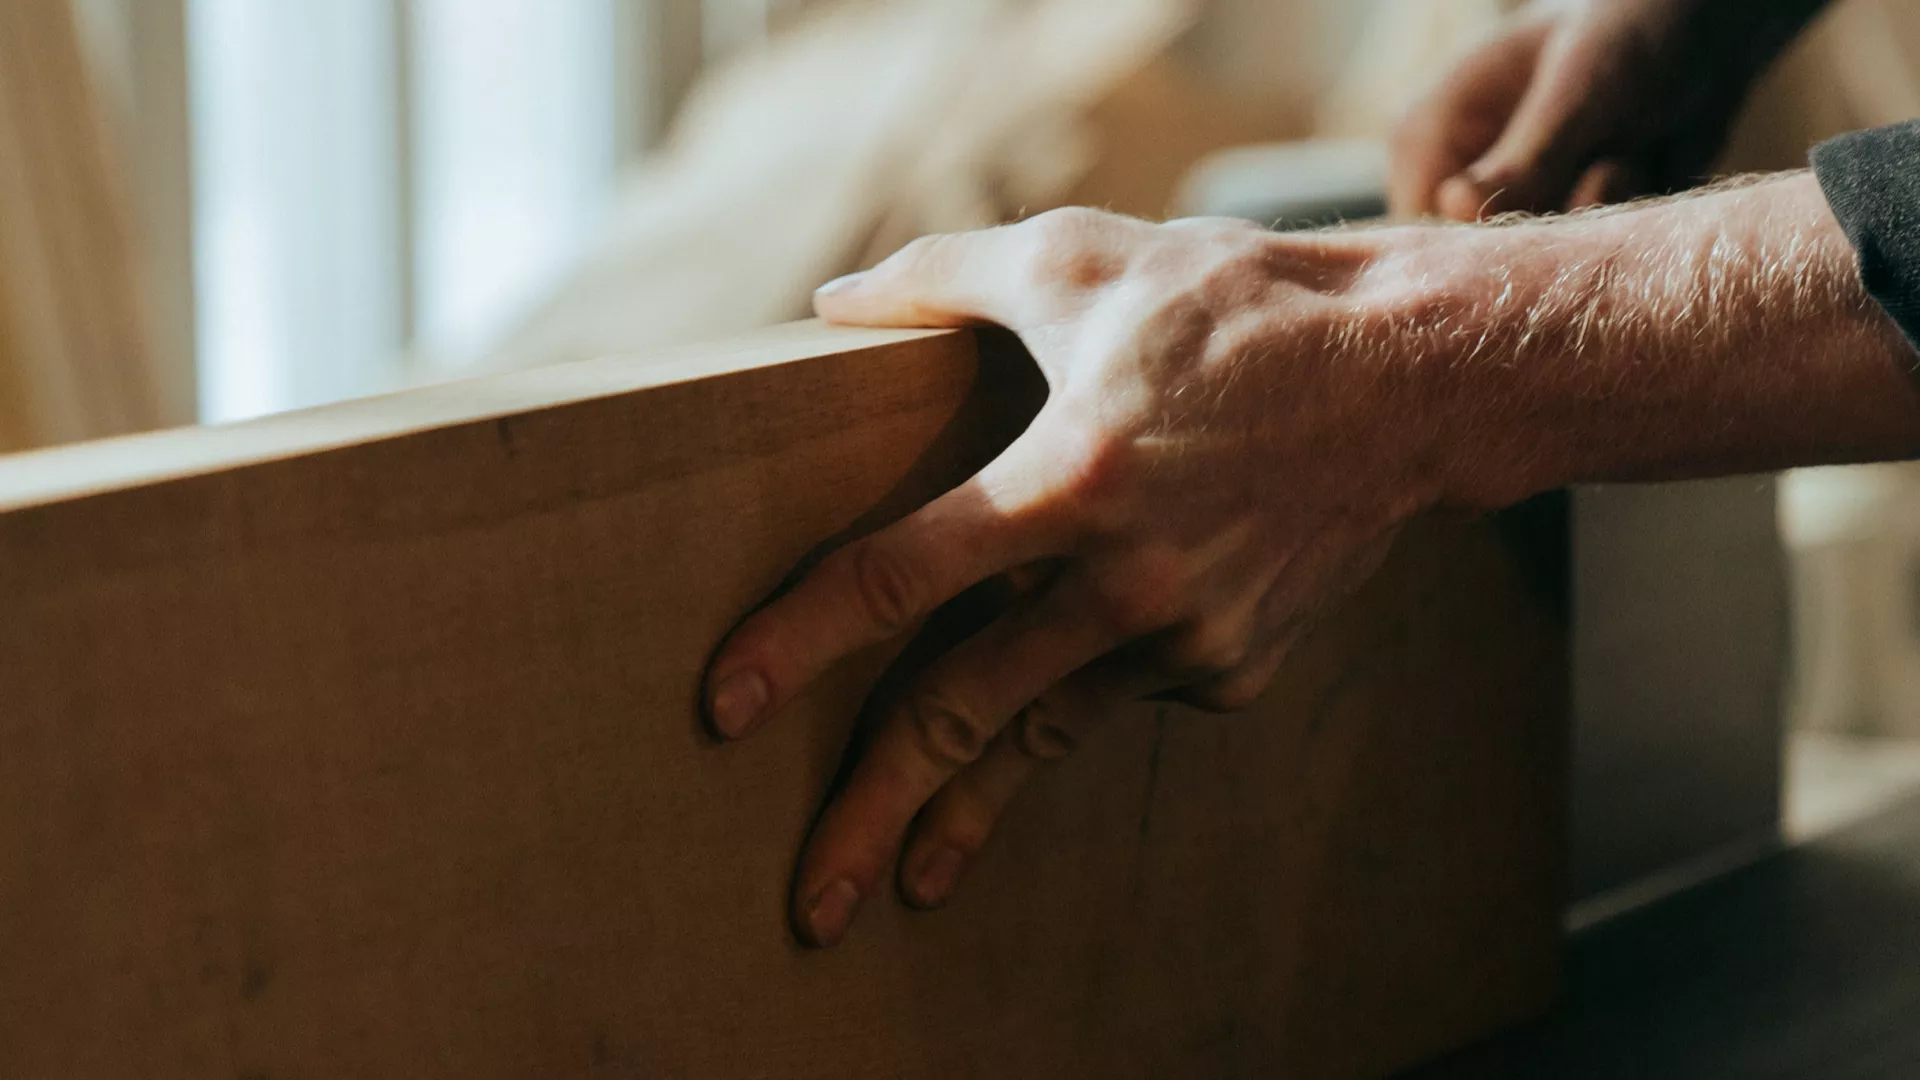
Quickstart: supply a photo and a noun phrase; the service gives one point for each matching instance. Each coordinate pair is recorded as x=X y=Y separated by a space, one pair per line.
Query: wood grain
x=361 y=742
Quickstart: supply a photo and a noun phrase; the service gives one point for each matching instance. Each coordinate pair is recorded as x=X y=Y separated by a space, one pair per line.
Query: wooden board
x=361 y=742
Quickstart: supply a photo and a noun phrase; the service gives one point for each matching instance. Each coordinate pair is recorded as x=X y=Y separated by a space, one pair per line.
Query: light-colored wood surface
x=362 y=742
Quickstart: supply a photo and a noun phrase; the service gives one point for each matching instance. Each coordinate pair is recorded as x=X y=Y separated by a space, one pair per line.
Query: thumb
x=934 y=281
x=1000 y=275
x=955 y=279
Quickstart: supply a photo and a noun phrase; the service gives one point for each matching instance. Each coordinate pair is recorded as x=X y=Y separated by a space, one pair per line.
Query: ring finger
x=942 y=725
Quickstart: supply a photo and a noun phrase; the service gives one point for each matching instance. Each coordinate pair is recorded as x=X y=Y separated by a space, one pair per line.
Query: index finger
x=876 y=588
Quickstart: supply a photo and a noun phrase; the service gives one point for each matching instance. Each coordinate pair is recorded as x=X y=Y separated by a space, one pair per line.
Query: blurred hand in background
x=1575 y=103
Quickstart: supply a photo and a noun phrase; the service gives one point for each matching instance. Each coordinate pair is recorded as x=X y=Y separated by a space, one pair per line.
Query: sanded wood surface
x=362 y=742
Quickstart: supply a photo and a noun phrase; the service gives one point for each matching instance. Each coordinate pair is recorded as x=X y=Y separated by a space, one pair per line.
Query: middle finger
x=941 y=725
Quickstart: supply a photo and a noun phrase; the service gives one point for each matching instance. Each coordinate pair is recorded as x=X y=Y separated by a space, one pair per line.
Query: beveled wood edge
x=78 y=470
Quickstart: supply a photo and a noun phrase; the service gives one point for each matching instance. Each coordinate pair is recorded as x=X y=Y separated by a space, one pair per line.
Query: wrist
x=1483 y=321
x=1705 y=335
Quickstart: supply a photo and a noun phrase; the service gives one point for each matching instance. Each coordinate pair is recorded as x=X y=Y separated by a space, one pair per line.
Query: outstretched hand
x=1218 y=459
x=1238 y=424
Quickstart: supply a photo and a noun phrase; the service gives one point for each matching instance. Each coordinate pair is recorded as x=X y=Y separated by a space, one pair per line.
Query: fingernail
x=939 y=873
x=840 y=284
x=829 y=912
x=737 y=703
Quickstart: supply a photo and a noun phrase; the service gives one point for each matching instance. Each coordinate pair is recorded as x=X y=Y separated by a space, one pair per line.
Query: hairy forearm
x=1716 y=333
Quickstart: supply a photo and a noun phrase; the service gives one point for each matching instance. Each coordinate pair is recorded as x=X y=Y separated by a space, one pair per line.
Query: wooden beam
x=362 y=742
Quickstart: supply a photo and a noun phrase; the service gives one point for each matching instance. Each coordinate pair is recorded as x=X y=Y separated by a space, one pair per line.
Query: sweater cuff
x=1872 y=182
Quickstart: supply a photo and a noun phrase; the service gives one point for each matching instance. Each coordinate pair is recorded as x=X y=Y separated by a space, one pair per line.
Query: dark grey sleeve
x=1872 y=182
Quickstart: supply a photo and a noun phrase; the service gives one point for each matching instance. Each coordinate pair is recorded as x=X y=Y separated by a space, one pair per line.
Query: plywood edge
x=65 y=473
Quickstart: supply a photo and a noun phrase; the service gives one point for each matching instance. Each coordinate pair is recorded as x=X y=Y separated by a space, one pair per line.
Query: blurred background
x=216 y=209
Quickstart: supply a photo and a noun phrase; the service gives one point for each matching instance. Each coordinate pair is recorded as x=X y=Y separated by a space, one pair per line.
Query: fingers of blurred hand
x=1547 y=144
x=959 y=279
x=1606 y=182
x=942 y=725
x=1428 y=147
x=1461 y=119
x=1425 y=152
x=876 y=588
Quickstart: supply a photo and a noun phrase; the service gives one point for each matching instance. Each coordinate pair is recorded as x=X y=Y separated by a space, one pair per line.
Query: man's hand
x=1581 y=102
x=1238 y=424
x=1219 y=458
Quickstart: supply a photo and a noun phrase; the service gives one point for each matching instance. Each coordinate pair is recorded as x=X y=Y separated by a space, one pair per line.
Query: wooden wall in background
x=74 y=349
x=361 y=742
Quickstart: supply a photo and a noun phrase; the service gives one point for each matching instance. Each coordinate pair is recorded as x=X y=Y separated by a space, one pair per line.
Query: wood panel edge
x=78 y=470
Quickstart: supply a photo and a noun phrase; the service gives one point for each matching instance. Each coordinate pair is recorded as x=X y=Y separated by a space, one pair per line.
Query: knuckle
x=889 y=589
x=1076 y=266
x=1043 y=736
x=950 y=732
x=1065 y=248
x=1208 y=649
